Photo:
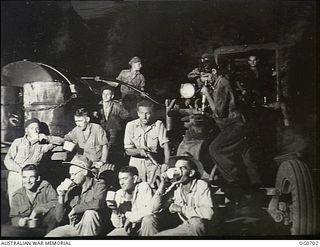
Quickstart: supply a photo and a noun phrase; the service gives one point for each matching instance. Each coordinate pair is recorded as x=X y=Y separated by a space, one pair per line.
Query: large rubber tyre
x=297 y=189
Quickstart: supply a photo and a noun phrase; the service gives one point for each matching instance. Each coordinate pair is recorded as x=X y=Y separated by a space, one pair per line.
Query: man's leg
x=181 y=230
x=63 y=231
x=118 y=232
x=90 y=224
x=149 y=226
x=226 y=152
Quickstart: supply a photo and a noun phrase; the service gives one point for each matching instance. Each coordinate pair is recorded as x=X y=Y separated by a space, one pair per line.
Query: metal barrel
x=11 y=114
x=48 y=101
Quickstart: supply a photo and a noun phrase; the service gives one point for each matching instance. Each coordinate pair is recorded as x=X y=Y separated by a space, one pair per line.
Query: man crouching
x=131 y=206
x=189 y=197
x=82 y=199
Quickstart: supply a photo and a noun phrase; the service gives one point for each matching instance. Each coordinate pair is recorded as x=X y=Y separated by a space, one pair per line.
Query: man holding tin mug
x=33 y=206
x=131 y=206
x=81 y=202
x=188 y=196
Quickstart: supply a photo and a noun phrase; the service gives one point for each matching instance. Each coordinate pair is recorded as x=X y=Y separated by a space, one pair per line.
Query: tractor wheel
x=298 y=197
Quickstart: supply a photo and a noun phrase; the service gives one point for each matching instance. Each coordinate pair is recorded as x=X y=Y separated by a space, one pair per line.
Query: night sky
x=99 y=38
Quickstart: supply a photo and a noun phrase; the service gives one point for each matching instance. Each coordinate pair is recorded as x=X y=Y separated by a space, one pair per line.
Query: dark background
x=99 y=38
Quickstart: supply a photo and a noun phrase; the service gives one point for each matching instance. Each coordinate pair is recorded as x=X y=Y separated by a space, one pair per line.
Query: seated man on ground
x=33 y=205
x=131 y=207
x=81 y=202
x=189 y=197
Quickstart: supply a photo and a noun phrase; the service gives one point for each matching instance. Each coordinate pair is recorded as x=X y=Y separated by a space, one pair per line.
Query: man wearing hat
x=25 y=150
x=189 y=197
x=133 y=77
x=81 y=201
x=228 y=149
x=202 y=73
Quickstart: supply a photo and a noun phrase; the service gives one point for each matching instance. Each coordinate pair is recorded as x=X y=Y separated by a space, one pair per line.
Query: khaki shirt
x=24 y=152
x=135 y=79
x=45 y=199
x=196 y=203
x=141 y=205
x=92 y=145
x=135 y=136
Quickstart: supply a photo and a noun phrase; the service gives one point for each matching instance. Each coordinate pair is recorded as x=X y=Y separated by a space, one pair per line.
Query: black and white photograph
x=160 y=120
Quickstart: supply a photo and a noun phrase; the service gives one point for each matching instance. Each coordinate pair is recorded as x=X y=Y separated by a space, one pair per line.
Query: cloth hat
x=80 y=161
x=30 y=121
x=134 y=60
x=187 y=156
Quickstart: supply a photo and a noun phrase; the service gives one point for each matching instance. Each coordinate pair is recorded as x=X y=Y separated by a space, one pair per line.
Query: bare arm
x=105 y=152
x=136 y=152
x=166 y=152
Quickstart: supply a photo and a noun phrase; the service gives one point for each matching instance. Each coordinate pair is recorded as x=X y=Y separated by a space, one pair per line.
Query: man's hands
x=143 y=152
x=205 y=91
x=23 y=221
x=128 y=226
x=112 y=205
x=73 y=217
x=174 y=208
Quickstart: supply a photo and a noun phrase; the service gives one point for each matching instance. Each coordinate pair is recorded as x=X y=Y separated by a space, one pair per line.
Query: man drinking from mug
x=189 y=197
x=81 y=201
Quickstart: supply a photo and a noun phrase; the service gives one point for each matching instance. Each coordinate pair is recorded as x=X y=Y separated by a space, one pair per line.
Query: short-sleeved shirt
x=133 y=78
x=141 y=204
x=197 y=202
x=92 y=145
x=153 y=137
x=24 y=152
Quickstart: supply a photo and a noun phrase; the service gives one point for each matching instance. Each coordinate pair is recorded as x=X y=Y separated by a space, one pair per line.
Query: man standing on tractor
x=228 y=149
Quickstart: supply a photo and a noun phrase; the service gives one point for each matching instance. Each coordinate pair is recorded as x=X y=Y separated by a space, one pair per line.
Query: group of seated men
x=78 y=206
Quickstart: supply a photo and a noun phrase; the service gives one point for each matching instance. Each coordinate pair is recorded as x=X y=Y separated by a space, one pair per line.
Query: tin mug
x=174 y=173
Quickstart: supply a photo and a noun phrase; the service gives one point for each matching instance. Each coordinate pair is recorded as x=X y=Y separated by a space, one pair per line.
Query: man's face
x=136 y=66
x=127 y=181
x=29 y=180
x=187 y=172
x=107 y=95
x=252 y=60
x=144 y=113
x=81 y=122
x=77 y=174
x=32 y=131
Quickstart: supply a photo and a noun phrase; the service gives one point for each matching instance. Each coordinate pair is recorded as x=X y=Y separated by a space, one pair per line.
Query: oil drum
x=49 y=101
x=11 y=114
